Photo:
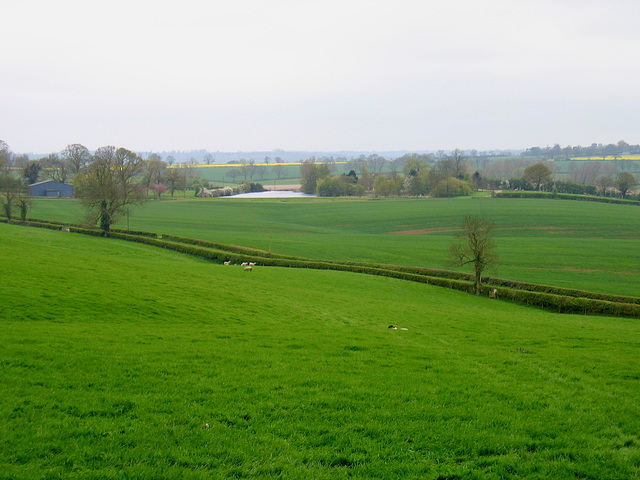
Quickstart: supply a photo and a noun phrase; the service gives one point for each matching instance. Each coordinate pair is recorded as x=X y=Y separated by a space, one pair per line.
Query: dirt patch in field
x=426 y=231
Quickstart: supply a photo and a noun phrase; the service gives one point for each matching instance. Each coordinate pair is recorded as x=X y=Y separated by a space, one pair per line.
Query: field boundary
x=556 y=299
x=564 y=196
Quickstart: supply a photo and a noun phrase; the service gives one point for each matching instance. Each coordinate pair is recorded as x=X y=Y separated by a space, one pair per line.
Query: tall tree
x=77 y=157
x=57 y=167
x=376 y=162
x=11 y=189
x=459 y=162
x=624 y=182
x=475 y=245
x=604 y=183
x=537 y=175
x=278 y=169
x=311 y=173
x=175 y=180
x=154 y=170
x=31 y=171
x=109 y=185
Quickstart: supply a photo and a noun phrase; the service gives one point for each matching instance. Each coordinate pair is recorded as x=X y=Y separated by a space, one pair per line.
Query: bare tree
x=234 y=173
x=76 y=156
x=278 y=170
x=604 y=184
x=5 y=157
x=57 y=167
x=376 y=163
x=154 y=170
x=475 y=245
x=459 y=162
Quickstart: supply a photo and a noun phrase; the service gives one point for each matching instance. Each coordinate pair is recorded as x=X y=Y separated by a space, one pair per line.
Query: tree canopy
x=475 y=245
x=624 y=181
x=108 y=186
x=537 y=175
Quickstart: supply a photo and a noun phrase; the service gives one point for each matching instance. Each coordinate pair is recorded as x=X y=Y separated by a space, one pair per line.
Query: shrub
x=338 y=186
x=451 y=187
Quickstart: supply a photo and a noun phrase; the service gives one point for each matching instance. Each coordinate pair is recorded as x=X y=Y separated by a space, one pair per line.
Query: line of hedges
x=500 y=282
x=547 y=301
x=86 y=227
x=223 y=246
x=567 y=304
x=565 y=196
x=567 y=292
x=545 y=297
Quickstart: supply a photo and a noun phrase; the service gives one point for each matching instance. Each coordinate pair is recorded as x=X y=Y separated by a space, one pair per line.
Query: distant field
x=582 y=245
x=125 y=361
x=263 y=173
x=608 y=158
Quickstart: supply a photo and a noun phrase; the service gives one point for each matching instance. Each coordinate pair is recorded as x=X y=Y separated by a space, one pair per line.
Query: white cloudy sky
x=318 y=75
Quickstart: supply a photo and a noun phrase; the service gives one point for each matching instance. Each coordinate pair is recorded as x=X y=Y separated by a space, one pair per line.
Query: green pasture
x=265 y=174
x=120 y=360
x=582 y=245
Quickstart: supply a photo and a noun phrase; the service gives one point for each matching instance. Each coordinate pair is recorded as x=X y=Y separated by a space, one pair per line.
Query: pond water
x=272 y=194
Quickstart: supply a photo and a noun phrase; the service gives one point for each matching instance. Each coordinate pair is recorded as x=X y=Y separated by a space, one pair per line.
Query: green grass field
x=583 y=245
x=120 y=360
x=265 y=174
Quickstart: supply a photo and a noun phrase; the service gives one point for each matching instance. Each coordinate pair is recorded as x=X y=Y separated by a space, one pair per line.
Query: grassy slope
x=114 y=356
x=582 y=245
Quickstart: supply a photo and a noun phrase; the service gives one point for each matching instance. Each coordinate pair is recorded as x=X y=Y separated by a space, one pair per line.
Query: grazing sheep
x=252 y=264
x=248 y=268
x=493 y=293
x=244 y=264
x=228 y=262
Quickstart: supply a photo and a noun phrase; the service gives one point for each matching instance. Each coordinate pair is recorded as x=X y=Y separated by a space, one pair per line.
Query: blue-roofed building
x=49 y=188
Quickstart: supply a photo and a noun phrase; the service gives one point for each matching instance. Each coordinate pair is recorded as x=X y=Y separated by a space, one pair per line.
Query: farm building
x=49 y=188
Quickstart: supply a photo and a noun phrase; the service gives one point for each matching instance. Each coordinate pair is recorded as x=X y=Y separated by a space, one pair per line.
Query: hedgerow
x=551 y=298
x=565 y=196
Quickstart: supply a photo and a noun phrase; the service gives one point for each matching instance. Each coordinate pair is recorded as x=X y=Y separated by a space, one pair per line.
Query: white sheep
x=248 y=268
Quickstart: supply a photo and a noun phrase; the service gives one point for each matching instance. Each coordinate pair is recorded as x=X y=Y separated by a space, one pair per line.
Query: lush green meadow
x=120 y=360
x=583 y=245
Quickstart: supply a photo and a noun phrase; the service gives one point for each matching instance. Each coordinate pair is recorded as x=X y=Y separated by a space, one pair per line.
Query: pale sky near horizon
x=318 y=75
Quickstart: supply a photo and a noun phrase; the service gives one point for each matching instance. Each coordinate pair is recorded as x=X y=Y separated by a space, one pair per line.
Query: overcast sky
x=318 y=75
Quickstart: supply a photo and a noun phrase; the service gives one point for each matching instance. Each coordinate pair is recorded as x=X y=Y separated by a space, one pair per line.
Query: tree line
x=457 y=174
x=594 y=150
x=411 y=175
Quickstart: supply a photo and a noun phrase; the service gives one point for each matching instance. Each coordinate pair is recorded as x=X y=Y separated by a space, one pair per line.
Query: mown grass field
x=120 y=360
x=583 y=245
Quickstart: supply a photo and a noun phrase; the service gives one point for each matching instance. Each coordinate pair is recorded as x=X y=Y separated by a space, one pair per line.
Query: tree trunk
x=105 y=218
x=478 y=279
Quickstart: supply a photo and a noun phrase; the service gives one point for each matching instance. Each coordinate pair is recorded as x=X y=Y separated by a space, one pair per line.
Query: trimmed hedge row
x=540 y=296
x=547 y=301
x=567 y=292
x=565 y=196
x=223 y=246
x=69 y=224
x=567 y=304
